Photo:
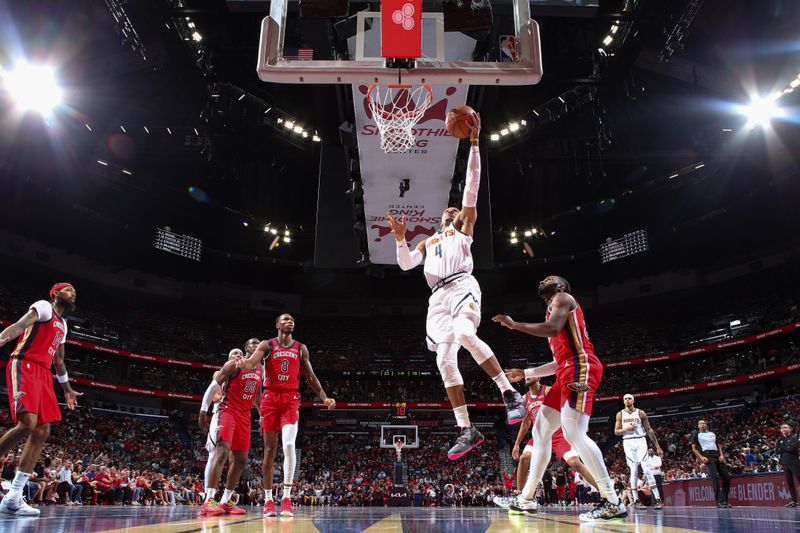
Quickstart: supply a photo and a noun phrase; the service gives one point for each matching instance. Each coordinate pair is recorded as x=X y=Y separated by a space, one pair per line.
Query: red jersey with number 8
x=239 y=393
x=283 y=367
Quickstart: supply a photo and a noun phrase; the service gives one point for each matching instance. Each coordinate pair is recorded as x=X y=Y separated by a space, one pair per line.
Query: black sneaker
x=639 y=505
x=791 y=504
x=605 y=511
x=659 y=504
x=724 y=505
x=515 y=407
x=469 y=439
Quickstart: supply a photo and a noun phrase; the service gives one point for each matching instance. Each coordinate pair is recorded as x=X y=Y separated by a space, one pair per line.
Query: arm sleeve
x=209 y=394
x=695 y=439
x=44 y=309
x=407 y=259
x=473 y=180
x=547 y=369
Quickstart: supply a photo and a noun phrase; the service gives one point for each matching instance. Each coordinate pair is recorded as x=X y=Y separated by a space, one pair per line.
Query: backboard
x=408 y=434
x=447 y=57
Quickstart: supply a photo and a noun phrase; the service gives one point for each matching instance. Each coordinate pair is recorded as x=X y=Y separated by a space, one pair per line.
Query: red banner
x=630 y=362
x=763 y=490
x=708 y=384
x=704 y=349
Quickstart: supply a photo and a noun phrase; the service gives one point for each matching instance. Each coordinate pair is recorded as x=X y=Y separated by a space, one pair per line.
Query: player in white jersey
x=454 y=308
x=633 y=426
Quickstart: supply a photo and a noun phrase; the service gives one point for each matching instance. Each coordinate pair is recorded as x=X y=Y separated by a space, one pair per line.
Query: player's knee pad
x=447 y=362
x=465 y=332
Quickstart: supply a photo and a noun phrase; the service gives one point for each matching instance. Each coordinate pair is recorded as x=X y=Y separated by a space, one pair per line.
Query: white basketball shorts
x=460 y=297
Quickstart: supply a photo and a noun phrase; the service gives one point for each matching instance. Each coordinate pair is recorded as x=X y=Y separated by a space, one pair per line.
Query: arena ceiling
x=610 y=155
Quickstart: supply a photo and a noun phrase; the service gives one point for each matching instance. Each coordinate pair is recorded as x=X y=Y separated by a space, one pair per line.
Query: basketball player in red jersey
x=232 y=432
x=31 y=397
x=569 y=402
x=280 y=407
x=534 y=399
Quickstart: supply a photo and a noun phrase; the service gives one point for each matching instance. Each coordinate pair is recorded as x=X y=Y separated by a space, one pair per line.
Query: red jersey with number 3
x=572 y=341
x=283 y=367
x=239 y=393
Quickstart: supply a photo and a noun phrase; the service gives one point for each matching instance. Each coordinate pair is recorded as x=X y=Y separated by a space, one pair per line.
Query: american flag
x=299 y=54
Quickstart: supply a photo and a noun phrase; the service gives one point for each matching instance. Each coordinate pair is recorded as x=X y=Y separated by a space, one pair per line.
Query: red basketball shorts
x=233 y=427
x=586 y=370
x=561 y=446
x=279 y=409
x=30 y=390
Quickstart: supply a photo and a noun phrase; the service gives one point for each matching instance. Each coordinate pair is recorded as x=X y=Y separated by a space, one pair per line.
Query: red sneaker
x=231 y=509
x=211 y=508
x=269 y=509
x=286 y=507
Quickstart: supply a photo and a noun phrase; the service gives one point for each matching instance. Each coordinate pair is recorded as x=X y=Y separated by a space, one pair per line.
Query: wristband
x=401 y=243
x=529 y=373
x=64 y=378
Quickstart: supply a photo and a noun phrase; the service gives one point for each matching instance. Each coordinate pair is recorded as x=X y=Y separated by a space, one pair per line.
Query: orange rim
x=413 y=113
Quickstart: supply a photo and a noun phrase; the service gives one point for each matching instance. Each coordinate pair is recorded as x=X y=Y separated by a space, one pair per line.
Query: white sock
x=226 y=496
x=268 y=496
x=462 y=416
x=210 y=493
x=20 y=480
x=287 y=491
x=501 y=380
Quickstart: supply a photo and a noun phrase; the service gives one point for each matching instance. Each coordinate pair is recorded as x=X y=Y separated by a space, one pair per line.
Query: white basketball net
x=396 y=109
x=398 y=445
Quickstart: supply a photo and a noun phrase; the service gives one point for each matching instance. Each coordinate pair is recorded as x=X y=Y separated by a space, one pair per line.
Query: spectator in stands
x=68 y=492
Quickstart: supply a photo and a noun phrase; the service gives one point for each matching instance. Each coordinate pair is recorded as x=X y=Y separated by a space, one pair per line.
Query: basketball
x=458 y=120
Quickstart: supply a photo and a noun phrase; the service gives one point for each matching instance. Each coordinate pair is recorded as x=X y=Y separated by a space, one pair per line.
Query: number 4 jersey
x=283 y=367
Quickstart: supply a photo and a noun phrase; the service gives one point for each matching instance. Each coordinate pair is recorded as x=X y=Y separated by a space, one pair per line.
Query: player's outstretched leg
x=14 y=503
x=576 y=426
x=546 y=424
x=465 y=330
x=447 y=361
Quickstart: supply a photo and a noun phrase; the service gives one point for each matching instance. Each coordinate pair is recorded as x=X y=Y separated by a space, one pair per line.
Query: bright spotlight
x=33 y=88
x=760 y=111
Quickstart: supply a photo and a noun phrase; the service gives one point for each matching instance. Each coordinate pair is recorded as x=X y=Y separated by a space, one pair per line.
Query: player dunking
x=632 y=425
x=534 y=399
x=569 y=402
x=454 y=308
x=280 y=407
x=230 y=434
x=42 y=334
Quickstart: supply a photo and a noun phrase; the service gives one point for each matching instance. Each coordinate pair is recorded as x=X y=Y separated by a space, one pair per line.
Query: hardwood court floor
x=394 y=520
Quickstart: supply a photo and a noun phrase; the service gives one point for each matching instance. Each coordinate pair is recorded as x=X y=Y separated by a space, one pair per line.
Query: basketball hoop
x=398 y=445
x=396 y=109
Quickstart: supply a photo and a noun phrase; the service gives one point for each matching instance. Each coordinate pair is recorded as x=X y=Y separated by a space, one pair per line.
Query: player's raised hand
x=202 y=421
x=515 y=375
x=330 y=403
x=474 y=125
x=504 y=320
x=398 y=227
x=72 y=399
